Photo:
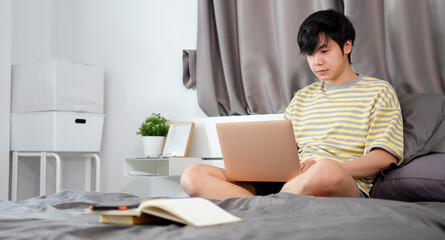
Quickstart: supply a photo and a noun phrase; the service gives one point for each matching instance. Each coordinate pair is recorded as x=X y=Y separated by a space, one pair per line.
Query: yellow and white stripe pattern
x=344 y=122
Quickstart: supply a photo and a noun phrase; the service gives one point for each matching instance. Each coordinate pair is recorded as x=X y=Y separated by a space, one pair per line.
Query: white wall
x=5 y=86
x=139 y=43
x=31 y=31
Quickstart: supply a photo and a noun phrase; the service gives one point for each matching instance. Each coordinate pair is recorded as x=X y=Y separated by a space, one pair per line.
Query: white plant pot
x=153 y=146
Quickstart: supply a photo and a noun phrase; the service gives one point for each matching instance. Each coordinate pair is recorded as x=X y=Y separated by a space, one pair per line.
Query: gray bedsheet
x=280 y=216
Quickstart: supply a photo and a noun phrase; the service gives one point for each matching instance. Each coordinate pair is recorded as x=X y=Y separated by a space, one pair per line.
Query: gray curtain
x=247 y=60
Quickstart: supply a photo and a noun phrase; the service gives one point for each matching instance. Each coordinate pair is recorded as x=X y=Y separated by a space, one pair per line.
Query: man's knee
x=194 y=176
x=326 y=171
x=322 y=179
x=329 y=174
x=189 y=178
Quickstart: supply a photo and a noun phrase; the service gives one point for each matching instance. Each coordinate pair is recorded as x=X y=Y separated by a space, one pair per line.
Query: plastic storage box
x=56 y=131
x=57 y=85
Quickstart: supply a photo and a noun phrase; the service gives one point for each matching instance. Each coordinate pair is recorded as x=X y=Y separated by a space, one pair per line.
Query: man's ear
x=347 y=48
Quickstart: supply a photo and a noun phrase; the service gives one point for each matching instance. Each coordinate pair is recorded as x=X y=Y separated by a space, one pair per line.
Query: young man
x=348 y=127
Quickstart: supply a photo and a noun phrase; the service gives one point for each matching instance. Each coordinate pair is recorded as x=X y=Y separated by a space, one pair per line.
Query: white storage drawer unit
x=56 y=131
x=57 y=85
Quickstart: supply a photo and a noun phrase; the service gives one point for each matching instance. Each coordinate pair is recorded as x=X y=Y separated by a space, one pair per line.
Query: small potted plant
x=153 y=131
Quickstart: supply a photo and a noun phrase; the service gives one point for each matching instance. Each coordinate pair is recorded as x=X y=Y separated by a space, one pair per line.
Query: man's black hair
x=333 y=24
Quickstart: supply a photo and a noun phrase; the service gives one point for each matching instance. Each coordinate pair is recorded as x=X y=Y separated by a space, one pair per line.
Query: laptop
x=259 y=151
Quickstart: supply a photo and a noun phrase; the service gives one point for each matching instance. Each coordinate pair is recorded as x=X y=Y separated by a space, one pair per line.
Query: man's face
x=328 y=62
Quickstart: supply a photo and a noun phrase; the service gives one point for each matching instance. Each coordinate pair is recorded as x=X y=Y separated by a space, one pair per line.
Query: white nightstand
x=163 y=173
x=158 y=167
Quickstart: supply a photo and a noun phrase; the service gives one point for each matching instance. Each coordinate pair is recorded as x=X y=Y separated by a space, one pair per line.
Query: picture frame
x=179 y=137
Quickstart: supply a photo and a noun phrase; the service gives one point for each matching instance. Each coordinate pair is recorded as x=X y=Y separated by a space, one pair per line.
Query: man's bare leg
x=325 y=178
x=207 y=181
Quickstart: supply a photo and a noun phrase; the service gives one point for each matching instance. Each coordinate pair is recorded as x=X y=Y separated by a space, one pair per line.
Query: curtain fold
x=248 y=61
x=189 y=68
x=411 y=47
x=368 y=55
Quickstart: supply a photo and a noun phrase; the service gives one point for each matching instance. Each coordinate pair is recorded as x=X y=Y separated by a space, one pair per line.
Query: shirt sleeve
x=289 y=109
x=386 y=124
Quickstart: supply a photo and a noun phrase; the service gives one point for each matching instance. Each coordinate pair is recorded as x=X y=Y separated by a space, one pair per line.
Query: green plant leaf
x=154 y=125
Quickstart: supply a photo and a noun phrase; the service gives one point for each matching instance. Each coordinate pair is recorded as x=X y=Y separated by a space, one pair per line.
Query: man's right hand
x=305 y=165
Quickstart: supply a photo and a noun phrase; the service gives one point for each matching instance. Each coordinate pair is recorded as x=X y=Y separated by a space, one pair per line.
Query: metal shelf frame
x=43 y=161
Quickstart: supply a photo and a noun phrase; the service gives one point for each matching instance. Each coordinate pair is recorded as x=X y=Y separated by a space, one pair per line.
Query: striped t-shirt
x=344 y=122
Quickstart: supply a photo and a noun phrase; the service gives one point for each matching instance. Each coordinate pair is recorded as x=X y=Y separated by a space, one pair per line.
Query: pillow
x=421 y=180
x=423 y=123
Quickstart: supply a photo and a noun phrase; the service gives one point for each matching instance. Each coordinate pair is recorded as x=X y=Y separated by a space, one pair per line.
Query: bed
x=279 y=216
x=408 y=202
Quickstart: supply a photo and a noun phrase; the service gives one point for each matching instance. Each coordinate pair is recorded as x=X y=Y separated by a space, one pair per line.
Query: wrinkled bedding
x=279 y=216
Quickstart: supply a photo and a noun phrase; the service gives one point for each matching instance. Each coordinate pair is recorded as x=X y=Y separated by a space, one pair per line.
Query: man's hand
x=305 y=165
